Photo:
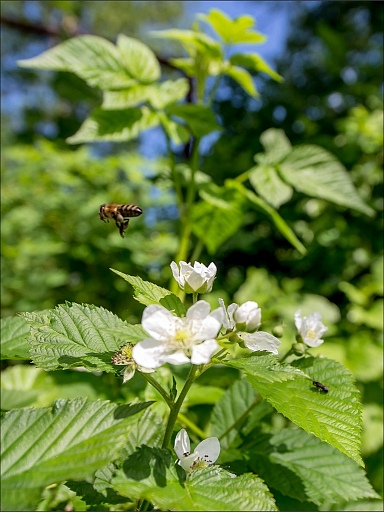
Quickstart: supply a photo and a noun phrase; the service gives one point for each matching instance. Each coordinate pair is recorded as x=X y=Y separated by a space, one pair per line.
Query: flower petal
x=208 y=450
x=158 y=322
x=128 y=372
x=182 y=444
x=260 y=341
x=201 y=354
x=177 y=357
x=199 y=310
x=149 y=353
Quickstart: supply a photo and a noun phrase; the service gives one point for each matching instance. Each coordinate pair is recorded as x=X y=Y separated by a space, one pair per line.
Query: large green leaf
x=263 y=206
x=115 y=125
x=44 y=446
x=151 y=474
x=74 y=335
x=148 y=293
x=199 y=118
x=92 y=58
x=335 y=417
x=268 y=184
x=243 y=78
x=233 y=31
x=14 y=333
x=316 y=172
x=276 y=144
x=304 y=468
x=138 y=59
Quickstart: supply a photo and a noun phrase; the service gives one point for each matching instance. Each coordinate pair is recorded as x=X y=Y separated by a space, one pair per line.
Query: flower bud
x=247 y=317
x=196 y=279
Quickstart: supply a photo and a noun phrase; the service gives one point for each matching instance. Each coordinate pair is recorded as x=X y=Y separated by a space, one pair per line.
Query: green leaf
x=128 y=333
x=254 y=62
x=192 y=41
x=71 y=441
x=177 y=132
x=304 y=468
x=199 y=118
x=149 y=429
x=148 y=293
x=230 y=413
x=151 y=474
x=215 y=221
x=243 y=78
x=276 y=144
x=269 y=185
x=233 y=31
x=334 y=417
x=92 y=58
x=316 y=172
x=263 y=206
x=115 y=125
x=73 y=335
x=158 y=95
x=138 y=59
x=14 y=333
x=21 y=385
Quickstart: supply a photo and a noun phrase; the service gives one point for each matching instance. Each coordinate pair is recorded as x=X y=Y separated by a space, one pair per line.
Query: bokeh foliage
x=56 y=249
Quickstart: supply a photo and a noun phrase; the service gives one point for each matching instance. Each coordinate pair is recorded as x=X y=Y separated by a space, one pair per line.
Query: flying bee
x=120 y=213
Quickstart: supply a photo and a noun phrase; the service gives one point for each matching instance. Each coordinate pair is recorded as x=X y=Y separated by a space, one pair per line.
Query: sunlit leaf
x=243 y=78
x=14 y=332
x=138 y=59
x=268 y=184
x=254 y=62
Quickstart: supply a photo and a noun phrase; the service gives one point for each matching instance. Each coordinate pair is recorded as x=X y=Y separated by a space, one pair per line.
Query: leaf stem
x=158 y=388
x=177 y=405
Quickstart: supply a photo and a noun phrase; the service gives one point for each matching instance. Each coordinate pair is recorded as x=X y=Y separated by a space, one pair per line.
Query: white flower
x=178 y=340
x=196 y=279
x=205 y=454
x=310 y=328
x=124 y=358
x=260 y=341
x=246 y=317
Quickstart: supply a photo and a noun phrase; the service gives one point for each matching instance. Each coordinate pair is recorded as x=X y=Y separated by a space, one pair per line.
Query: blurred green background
x=54 y=247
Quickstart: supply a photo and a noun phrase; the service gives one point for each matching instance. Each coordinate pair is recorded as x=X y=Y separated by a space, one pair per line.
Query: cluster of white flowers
x=192 y=339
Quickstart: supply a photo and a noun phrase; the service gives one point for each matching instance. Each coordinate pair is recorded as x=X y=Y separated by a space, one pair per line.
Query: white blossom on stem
x=196 y=279
x=205 y=454
x=310 y=328
x=178 y=340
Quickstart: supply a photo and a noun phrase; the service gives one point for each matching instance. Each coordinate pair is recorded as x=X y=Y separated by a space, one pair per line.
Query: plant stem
x=158 y=388
x=290 y=351
x=177 y=406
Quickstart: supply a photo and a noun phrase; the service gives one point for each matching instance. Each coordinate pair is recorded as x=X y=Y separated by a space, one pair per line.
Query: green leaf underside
x=335 y=417
x=115 y=125
x=279 y=222
x=316 y=172
x=158 y=95
x=233 y=31
x=269 y=185
x=99 y=62
x=254 y=62
x=227 y=412
x=74 y=335
x=73 y=440
x=151 y=474
x=14 y=333
x=304 y=468
x=199 y=118
x=148 y=293
x=243 y=78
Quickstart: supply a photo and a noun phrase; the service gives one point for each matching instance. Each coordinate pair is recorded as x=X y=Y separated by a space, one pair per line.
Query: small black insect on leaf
x=320 y=386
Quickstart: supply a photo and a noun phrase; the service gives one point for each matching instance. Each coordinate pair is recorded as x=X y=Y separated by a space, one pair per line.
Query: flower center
x=182 y=337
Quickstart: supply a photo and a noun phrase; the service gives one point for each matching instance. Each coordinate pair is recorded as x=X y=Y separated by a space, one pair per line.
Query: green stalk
x=177 y=406
x=158 y=388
